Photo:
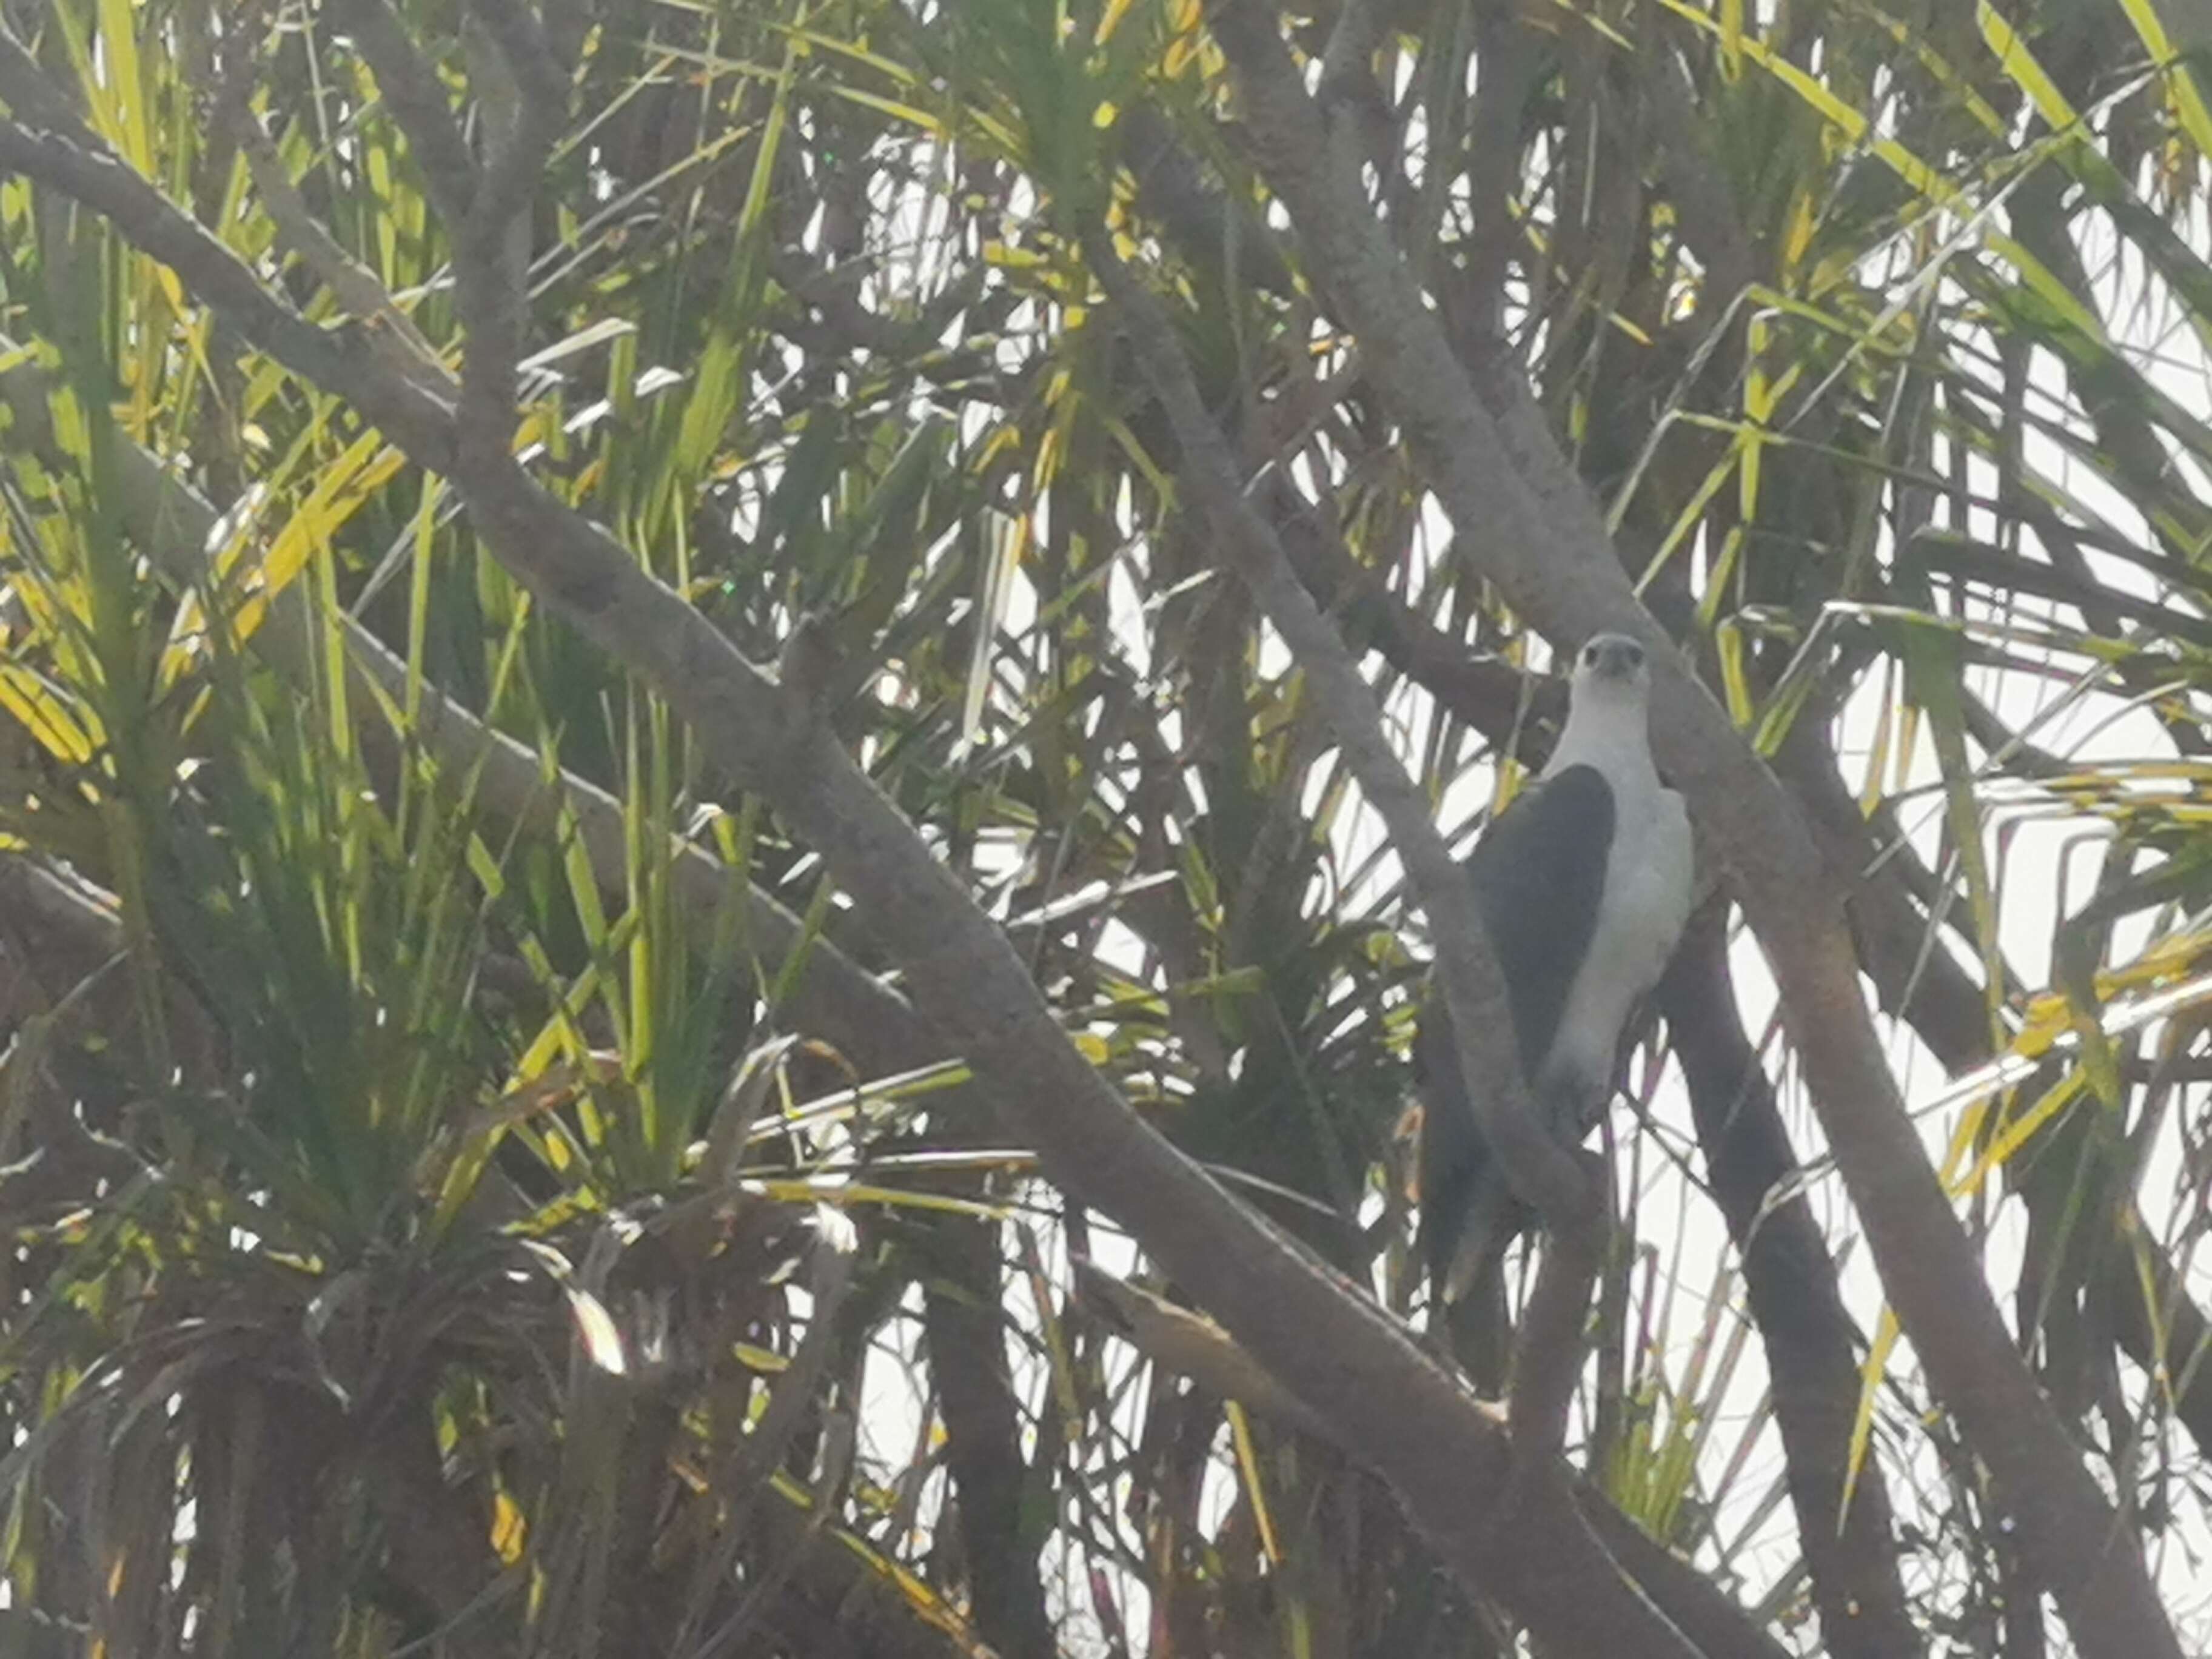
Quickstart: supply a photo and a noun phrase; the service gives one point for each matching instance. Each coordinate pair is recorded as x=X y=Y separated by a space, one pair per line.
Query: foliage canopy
x=482 y=1178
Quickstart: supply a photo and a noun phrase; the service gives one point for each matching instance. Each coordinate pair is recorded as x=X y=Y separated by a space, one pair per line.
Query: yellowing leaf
x=340 y=492
x=1012 y=257
x=2014 y=1134
x=47 y=715
x=1870 y=1375
x=761 y=1359
x=2181 y=83
x=509 y=1531
x=1248 y=1464
x=1736 y=682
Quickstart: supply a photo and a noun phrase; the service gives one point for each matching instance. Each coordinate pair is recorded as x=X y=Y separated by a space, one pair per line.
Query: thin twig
x=410 y=90
x=490 y=272
x=352 y=283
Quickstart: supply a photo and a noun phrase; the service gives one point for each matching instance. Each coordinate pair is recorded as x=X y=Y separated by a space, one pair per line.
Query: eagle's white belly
x=1647 y=901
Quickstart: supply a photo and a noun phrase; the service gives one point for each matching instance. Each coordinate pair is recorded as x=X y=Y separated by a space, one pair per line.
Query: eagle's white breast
x=1648 y=871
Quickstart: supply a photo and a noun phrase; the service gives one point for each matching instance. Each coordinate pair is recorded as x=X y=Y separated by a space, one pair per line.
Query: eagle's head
x=1613 y=668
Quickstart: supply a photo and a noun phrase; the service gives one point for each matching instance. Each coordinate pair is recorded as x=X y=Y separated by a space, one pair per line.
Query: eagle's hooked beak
x=1614 y=656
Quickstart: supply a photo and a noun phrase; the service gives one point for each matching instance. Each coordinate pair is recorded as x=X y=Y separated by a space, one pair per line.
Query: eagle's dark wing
x=1539 y=878
x=1539 y=875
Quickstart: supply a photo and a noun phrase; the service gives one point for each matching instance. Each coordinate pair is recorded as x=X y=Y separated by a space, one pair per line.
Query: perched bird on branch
x=1583 y=884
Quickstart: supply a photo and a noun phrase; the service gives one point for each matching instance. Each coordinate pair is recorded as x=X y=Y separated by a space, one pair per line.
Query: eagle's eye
x=1589 y=655
x=1635 y=655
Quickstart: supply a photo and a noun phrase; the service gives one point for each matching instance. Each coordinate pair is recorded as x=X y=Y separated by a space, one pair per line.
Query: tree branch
x=1341 y=1355
x=1540 y=1169
x=1791 y=1281
x=1190 y=1345
x=1548 y=1349
x=1924 y=985
x=834 y=997
x=351 y=283
x=491 y=275
x=963 y=1324
x=418 y=102
x=31 y=91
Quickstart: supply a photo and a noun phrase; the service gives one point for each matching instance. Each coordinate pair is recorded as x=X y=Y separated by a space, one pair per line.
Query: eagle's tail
x=1468 y=1311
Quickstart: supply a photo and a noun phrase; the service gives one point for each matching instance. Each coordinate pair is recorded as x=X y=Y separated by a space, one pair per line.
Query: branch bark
x=1922 y=983
x=1540 y=1168
x=1548 y=1352
x=1190 y=1345
x=339 y=360
x=963 y=1322
x=1849 y=1550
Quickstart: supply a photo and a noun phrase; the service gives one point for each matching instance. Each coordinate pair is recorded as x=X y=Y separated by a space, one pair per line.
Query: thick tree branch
x=1210 y=226
x=491 y=271
x=963 y=1323
x=1519 y=509
x=1193 y=1345
x=1808 y=1338
x=1697 y=188
x=1541 y=1168
x=1342 y=1356
x=1791 y=1281
x=32 y=93
x=1548 y=1348
x=1922 y=983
